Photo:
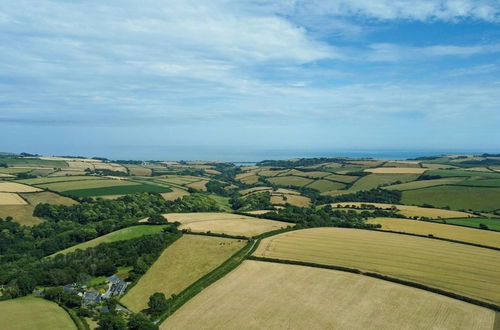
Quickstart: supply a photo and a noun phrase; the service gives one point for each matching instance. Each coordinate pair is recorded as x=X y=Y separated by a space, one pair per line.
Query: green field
x=85 y=184
x=117 y=190
x=325 y=185
x=463 y=173
x=33 y=162
x=38 y=181
x=30 y=313
x=493 y=224
x=423 y=184
x=119 y=235
x=290 y=181
x=374 y=180
x=180 y=265
x=463 y=269
x=456 y=197
x=481 y=183
x=342 y=178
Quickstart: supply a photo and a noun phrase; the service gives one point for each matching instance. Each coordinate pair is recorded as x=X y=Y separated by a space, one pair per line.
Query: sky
x=193 y=79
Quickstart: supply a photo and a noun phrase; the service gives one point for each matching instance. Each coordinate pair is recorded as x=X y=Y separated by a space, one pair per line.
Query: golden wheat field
x=413 y=211
x=471 y=235
x=467 y=270
x=180 y=265
x=6 y=186
x=11 y=199
x=262 y=295
x=227 y=223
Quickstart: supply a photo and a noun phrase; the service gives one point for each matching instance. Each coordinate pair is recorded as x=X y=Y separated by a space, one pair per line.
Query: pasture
x=375 y=180
x=456 y=197
x=483 y=237
x=440 y=264
x=118 y=190
x=225 y=223
x=493 y=224
x=47 y=197
x=11 y=199
x=342 y=178
x=412 y=211
x=181 y=264
x=464 y=173
x=326 y=185
x=6 y=186
x=119 y=235
x=481 y=183
x=263 y=295
x=37 y=181
x=30 y=313
x=297 y=200
x=396 y=170
x=85 y=184
x=423 y=184
x=290 y=181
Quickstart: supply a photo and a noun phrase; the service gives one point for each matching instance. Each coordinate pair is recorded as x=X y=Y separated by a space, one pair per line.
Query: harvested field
x=6 y=186
x=483 y=237
x=312 y=174
x=290 y=181
x=86 y=184
x=413 y=211
x=463 y=269
x=325 y=185
x=30 y=313
x=139 y=170
x=297 y=200
x=180 y=265
x=47 y=197
x=174 y=194
x=66 y=173
x=258 y=212
x=227 y=223
x=11 y=199
x=456 y=197
x=21 y=213
x=423 y=184
x=38 y=181
x=437 y=166
x=250 y=179
x=375 y=180
x=254 y=189
x=269 y=173
x=199 y=185
x=119 y=235
x=396 y=170
x=179 y=179
x=262 y=295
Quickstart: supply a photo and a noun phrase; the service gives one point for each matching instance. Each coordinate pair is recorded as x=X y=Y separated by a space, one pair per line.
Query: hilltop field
x=301 y=243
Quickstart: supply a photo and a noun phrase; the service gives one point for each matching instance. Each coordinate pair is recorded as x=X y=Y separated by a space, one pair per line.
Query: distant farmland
x=181 y=264
x=262 y=295
x=439 y=264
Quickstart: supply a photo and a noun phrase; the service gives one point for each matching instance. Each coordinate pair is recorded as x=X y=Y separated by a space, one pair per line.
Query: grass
x=297 y=200
x=325 y=185
x=493 y=224
x=396 y=170
x=290 y=181
x=263 y=295
x=34 y=162
x=423 y=184
x=222 y=202
x=342 y=178
x=29 y=313
x=119 y=235
x=483 y=237
x=481 y=183
x=462 y=269
x=412 y=211
x=118 y=190
x=464 y=173
x=456 y=197
x=85 y=184
x=47 y=197
x=181 y=264
x=225 y=223
x=374 y=180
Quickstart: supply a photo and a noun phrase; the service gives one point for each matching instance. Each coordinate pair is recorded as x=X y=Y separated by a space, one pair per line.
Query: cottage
x=91 y=298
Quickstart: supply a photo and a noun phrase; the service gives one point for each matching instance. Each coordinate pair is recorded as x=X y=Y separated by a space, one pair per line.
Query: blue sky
x=116 y=77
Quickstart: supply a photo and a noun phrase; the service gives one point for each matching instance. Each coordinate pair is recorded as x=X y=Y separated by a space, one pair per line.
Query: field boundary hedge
x=385 y=278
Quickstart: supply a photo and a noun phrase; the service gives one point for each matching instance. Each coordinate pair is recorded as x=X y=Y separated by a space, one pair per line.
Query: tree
x=157 y=303
x=157 y=219
x=483 y=226
x=141 y=322
x=110 y=321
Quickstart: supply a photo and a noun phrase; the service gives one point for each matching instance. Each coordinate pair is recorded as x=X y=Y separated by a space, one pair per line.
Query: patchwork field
x=11 y=199
x=290 y=181
x=463 y=269
x=119 y=235
x=412 y=211
x=6 y=186
x=227 y=223
x=456 y=197
x=483 y=237
x=30 y=313
x=396 y=170
x=423 y=184
x=262 y=295
x=374 y=180
x=180 y=265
